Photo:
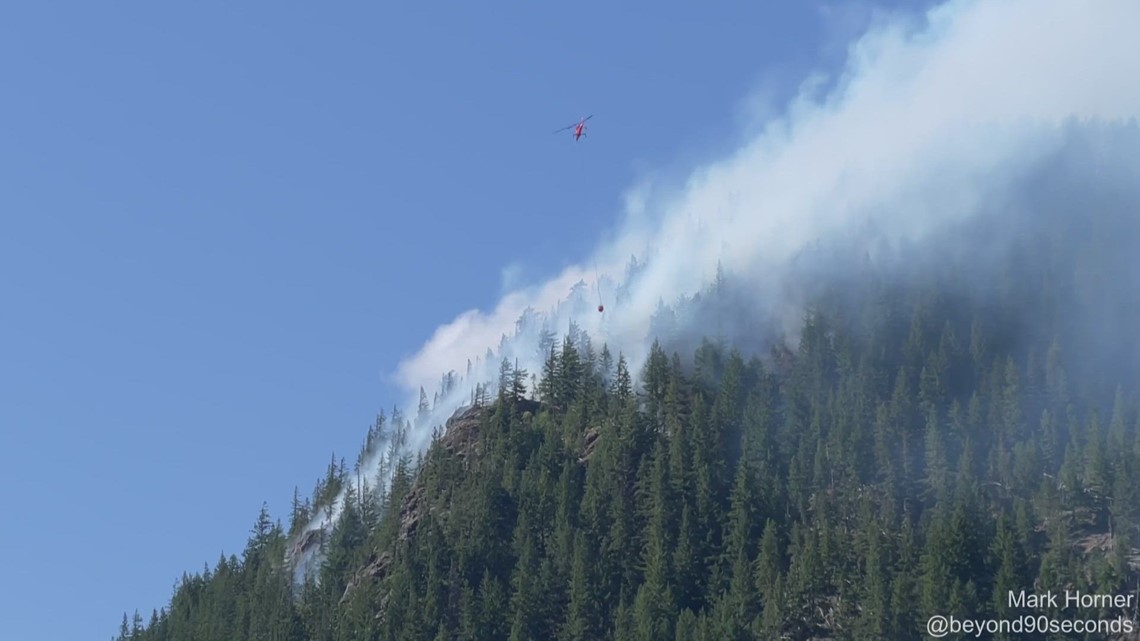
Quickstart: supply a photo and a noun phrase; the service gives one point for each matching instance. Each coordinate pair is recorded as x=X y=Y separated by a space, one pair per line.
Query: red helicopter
x=578 y=127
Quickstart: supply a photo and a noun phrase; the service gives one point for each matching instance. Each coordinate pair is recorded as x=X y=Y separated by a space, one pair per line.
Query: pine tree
x=878 y=473
x=1009 y=559
x=582 y=623
x=424 y=409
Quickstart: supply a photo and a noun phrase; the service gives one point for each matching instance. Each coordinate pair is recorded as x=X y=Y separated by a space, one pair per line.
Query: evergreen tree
x=881 y=471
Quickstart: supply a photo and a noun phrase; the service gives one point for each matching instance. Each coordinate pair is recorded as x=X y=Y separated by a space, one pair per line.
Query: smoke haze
x=931 y=121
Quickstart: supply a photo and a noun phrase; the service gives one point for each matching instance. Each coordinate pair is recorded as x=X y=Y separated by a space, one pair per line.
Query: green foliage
x=910 y=458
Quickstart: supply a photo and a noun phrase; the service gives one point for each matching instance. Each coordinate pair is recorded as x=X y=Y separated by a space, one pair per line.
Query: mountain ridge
x=948 y=392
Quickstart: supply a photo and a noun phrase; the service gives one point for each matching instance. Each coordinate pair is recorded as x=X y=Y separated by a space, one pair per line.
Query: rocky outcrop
x=308 y=540
x=460 y=439
x=411 y=511
x=305 y=544
x=377 y=568
x=589 y=444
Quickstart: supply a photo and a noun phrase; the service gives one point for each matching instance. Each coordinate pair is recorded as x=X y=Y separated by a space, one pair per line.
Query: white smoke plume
x=930 y=119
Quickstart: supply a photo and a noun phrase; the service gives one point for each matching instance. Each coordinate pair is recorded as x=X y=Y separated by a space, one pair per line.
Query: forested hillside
x=954 y=421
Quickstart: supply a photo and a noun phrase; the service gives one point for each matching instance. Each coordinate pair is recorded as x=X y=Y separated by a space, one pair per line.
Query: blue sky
x=224 y=224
